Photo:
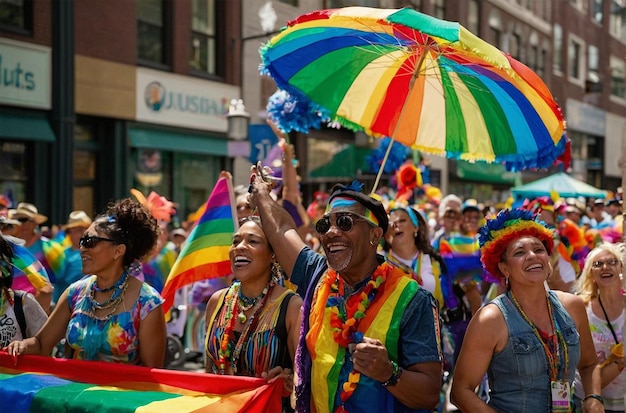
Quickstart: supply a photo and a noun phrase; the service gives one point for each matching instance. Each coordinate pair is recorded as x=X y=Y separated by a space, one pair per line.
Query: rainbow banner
x=205 y=254
x=29 y=275
x=45 y=384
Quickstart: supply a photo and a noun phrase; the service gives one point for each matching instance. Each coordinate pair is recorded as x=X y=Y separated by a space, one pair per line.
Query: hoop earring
x=276 y=271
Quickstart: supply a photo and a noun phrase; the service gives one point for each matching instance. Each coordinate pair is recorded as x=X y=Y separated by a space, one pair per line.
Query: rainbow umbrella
x=427 y=83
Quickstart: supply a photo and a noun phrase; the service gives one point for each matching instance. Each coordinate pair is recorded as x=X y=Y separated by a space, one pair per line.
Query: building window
x=440 y=9
x=541 y=62
x=473 y=17
x=557 y=63
x=575 y=58
x=203 y=45
x=533 y=57
x=617 y=21
x=495 y=28
x=151 y=31
x=597 y=10
x=618 y=88
x=16 y=15
x=515 y=47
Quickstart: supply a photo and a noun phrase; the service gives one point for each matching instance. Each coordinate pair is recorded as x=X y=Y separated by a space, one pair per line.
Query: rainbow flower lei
x=346 y=316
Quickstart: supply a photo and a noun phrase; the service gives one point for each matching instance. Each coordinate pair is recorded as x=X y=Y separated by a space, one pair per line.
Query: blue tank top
x=519 y=379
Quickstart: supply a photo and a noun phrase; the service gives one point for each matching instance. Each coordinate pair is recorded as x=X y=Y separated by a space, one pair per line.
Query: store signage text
x=24 y=74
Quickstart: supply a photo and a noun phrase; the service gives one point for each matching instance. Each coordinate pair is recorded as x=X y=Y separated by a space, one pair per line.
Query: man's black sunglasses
x=22 y=220
x=91 y=241
x=344 y=222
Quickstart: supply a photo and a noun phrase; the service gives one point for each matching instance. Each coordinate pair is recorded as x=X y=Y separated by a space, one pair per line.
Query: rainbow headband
x=508 y=225
x=346 y=202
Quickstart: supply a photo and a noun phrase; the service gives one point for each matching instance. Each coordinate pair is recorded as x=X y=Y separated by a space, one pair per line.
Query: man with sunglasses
x=369 y=337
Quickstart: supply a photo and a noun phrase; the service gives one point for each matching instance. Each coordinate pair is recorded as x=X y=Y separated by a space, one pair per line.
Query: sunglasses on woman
x=91 y=241
x=611 y=262
x=344 y=223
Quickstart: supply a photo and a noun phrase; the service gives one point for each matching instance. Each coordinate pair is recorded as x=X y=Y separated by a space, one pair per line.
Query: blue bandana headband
x=410 y=212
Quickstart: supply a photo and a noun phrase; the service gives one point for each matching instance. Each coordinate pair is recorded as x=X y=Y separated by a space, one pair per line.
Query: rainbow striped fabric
x=44 y=384
x=429 y=84
x=29 y=274
x=205 y=254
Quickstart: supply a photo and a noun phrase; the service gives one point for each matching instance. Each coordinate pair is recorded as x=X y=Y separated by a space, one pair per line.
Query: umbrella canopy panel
x=427 y=83
x=562 y=183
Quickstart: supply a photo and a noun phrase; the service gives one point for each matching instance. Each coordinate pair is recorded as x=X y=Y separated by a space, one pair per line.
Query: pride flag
x=205 y=254
x=45 y=384
x=53 y=257
x=29 y=274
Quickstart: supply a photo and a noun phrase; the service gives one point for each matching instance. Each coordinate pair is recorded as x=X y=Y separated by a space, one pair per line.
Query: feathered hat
x=499 y=231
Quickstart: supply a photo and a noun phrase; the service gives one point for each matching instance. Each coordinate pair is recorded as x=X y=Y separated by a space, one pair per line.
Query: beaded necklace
x=228 y=354
x=556 y=341
x=119 y=288
x=346 y=316
x=246 y=303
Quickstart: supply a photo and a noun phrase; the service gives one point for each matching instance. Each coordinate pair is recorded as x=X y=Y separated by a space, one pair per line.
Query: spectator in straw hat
x=48 y=252
x=77 y=223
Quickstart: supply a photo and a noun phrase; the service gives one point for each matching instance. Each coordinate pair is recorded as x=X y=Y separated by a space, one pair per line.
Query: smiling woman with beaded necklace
x=108 y=315
x=253 y=326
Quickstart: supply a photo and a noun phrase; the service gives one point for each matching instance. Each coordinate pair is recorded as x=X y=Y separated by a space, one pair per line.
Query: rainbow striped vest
x=331 y=363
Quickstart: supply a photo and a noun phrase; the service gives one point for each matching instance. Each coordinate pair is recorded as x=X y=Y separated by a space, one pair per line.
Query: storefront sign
x=169 y=99
x=586 y=118
x=24 y=74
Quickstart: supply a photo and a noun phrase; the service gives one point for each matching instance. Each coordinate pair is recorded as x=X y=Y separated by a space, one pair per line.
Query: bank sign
x=175 y=100
x=24 y=74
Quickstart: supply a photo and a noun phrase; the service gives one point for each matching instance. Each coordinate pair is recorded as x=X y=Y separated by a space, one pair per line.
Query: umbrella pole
x=382 y=165
x=393 y=137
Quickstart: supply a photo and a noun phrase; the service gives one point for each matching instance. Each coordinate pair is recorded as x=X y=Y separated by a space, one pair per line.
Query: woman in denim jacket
x=531 y=340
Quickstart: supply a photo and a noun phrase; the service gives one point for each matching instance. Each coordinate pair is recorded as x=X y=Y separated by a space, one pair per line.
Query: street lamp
x=238 y=120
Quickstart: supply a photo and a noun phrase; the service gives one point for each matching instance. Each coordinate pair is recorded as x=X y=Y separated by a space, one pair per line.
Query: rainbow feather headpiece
x=510 y=224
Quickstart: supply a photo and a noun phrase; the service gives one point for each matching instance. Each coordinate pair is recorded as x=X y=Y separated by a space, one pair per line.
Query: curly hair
x=585 y=286
x=6 y=263
x=130 y=223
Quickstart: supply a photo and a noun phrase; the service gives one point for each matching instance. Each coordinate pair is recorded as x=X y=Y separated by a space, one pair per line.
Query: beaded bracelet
x=594 y=396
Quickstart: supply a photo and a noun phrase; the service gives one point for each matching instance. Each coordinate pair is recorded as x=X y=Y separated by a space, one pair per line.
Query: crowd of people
x=355 y=301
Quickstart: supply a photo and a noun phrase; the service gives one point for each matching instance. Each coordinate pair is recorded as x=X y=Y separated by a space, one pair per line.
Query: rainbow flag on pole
x=45 y=384
x=205 y=254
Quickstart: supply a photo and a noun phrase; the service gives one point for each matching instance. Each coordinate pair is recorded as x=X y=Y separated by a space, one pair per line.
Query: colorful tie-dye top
x=115 y=339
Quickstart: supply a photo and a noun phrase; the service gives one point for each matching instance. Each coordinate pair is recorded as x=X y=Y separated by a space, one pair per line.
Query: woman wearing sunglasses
x=369 y=333
x=108 y=315
x=600 y=287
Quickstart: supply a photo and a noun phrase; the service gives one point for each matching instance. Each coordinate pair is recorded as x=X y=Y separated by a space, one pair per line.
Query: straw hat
x=78 y=219
x=26 y=210
x=179 y=231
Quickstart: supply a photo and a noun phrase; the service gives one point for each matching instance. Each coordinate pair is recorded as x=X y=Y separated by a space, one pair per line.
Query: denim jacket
x=519 y=378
